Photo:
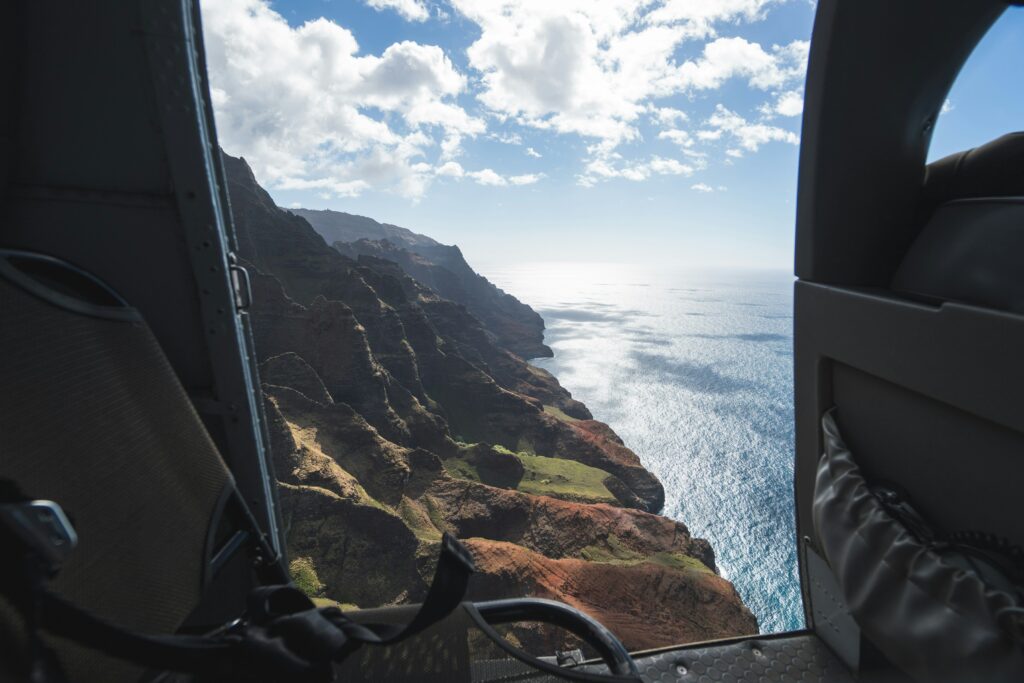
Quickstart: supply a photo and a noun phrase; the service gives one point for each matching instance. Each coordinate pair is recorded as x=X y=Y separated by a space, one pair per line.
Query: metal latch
x=44 y=528
x=241 y=283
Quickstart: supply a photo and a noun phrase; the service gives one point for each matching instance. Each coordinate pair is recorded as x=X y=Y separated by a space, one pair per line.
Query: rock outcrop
x=400 y=407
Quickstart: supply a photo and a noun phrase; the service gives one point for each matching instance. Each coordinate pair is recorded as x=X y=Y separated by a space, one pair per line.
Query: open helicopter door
x=909 y=327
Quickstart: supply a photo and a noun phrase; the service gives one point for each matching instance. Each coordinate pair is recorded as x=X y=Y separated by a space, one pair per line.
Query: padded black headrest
x=970 y=247
x=995 y=169
x=970 y=251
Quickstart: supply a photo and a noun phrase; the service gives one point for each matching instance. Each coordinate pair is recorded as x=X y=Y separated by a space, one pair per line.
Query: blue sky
x=551 y=130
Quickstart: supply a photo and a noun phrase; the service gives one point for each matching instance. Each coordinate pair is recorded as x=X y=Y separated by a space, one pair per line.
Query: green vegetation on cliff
x=613 y=551
x=557 y=412
x=566 y=479
x=540 y=475
x=304 y=575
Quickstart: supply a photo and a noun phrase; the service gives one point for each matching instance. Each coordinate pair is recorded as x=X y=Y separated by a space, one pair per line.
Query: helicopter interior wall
x=926 y=390
x=928 y=399
x=111 y=164
x=965 y=357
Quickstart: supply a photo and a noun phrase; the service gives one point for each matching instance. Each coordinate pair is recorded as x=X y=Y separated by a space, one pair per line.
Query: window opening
x=594 y=387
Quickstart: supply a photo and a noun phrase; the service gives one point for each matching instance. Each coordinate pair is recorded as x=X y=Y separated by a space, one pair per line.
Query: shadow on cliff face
x=697 y=377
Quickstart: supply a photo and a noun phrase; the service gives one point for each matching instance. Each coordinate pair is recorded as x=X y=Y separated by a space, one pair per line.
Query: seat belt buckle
x=44 y=529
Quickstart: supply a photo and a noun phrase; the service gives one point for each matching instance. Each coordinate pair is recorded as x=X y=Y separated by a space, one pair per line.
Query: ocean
x=694 y=370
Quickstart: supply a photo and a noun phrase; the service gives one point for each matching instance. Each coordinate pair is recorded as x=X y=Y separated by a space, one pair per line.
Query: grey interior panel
x=908 y=308
x=833 y=622
x=944 y=458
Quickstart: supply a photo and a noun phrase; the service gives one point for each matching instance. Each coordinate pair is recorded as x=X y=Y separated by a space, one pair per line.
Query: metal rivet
x=757 y=652
x=681 y=669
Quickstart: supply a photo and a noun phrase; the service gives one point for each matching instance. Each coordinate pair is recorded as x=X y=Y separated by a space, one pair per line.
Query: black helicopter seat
x=971 y=246
x=94 y=417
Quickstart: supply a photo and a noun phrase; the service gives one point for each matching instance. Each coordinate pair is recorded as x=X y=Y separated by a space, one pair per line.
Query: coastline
x=396 y=414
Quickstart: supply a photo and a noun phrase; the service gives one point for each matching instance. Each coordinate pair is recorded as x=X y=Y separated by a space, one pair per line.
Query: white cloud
x=679 y=137
x=306 y=109
x=507 y=138
x=727 y=58
x=450 y=168
x=309 y=109
x=668 y=116
x=487 y=177
x=592 y=68
x=599 y=169
x=787 y=103
x=451 y=146
x=700 y=16
x=525 y=179
x=790 y=103
x=746 y=135
x=947 y=107
x=491 y=177
x=411 y=10
x=702 y=187
x=663 y=166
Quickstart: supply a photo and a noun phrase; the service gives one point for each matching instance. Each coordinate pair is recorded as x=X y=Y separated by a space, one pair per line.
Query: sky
x=636 y=131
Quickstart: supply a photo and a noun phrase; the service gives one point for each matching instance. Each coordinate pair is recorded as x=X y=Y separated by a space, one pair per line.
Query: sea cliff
x=400 y=406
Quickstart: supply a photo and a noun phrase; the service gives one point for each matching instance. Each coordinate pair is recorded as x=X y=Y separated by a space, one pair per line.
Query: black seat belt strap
x=282 y=634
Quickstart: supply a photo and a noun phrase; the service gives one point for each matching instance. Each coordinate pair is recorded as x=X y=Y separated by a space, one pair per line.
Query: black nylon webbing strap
x=284 y=634
x=454 y=567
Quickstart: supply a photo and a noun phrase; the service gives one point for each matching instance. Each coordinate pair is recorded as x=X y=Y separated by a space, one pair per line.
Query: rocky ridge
x=440 y=267
x=396 y=414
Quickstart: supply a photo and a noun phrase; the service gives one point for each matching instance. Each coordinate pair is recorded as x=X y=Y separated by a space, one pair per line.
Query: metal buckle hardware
x=43 y=527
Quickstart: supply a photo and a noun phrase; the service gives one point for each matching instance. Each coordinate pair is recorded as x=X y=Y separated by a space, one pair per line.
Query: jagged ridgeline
x=400 y=406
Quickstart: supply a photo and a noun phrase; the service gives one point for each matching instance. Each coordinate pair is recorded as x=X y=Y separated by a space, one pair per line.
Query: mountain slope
x=440 y=267
x=395 y=416
x=338 y=226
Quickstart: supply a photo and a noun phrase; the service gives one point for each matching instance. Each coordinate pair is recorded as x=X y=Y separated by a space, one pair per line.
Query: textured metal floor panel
x=795 y=659
x=799 y=658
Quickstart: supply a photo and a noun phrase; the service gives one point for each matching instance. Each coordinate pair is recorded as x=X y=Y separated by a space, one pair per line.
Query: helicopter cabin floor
x=796 y=657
